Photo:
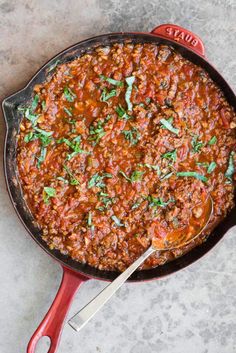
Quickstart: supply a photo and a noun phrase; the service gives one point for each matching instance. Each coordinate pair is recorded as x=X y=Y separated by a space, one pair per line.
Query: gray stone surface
x=191 y=311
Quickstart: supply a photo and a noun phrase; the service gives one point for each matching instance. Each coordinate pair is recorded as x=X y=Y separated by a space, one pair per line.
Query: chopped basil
x=196 y=144
x=135 y=205
x=203 y=164
x=105 y=199
x=147 y=100
x=122 y=113
x=154 y=167
x=97 y=131
x=135 y=176
x=172 y=155
x=47 y=193
x=117 y=221
x=35 y=102
x=133 y=135
x=97 y=180
x=73 y=179
x=43 y=132
x=158 y=202
x=211 y=167
x=72 y=122
x=212 y=141
x=166 y=176
x=69 y=95
x=68 y=111
x=43 y=105
x=30 y=137
x=31 y=117
x=167 y=124
x=63 y=179
x=230 y=170
x=192 y=174
x=111 y=81
x=74 y=145
x=44 y=137
x=53 y=66
x=107 y=95
x=42 y=156
x=90 y=219
x=129 y=81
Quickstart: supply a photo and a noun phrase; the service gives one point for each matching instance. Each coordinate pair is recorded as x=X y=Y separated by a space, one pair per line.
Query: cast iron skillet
x=74 y=273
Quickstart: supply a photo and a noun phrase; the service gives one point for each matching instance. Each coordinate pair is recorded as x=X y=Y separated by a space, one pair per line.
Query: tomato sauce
x=123 y=145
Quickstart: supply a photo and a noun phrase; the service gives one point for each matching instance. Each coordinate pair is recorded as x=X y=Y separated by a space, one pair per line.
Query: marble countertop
x=193 y=310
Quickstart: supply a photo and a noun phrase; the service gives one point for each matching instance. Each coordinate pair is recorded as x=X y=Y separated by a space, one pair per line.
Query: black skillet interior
x=13 y=117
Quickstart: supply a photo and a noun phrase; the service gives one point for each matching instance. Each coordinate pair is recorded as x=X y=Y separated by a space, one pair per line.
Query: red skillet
x=74 y=273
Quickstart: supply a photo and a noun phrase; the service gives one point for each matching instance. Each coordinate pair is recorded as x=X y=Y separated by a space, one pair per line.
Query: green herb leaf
x=73 y=179
x=166 y=176
x=74 y=145
x=30 y=137
x=158 y=202
x=169 y=126
x=43 y=105
x=117 y=221
x=203 y=164
x=89 y=221
x=69 y=95
x=122 y=113
x=172 y=155
x=105 y=199
x=129 y=81
x=47 y=193
x=31 y=117
x=97 y=132
x=111 y=81
x=211 y=167
x=68 y=111
x=133 y=135
x=124 y=175
x=34 y=103
x=196 y=144
x=135 y=176
x=43 y=132
x=63 y=179
x=192 y=174
x=230 y=170
x=135 y=205
x=154 y=167
x=97 y=180
x=53 y=66
x=44 y=137
x=212 y=141
x=41 y=157
x=107 y=95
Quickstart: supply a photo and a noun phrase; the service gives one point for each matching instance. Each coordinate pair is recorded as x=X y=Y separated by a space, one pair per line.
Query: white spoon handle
x=80 y=319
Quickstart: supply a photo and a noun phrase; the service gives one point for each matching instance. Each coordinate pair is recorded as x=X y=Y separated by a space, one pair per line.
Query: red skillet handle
x=52 y=323
x=181 y=35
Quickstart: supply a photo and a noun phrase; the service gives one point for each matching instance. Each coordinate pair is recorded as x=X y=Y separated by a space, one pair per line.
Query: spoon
x=170 y=242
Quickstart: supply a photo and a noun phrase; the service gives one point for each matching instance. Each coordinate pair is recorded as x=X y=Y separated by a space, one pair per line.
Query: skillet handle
x=180 y=35
x=52 y=324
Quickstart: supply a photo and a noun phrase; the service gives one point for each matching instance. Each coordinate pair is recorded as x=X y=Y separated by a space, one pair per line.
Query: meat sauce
x=122 y=145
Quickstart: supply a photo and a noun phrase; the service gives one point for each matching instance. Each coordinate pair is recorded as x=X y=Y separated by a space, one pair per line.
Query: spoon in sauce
x=173 y=240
